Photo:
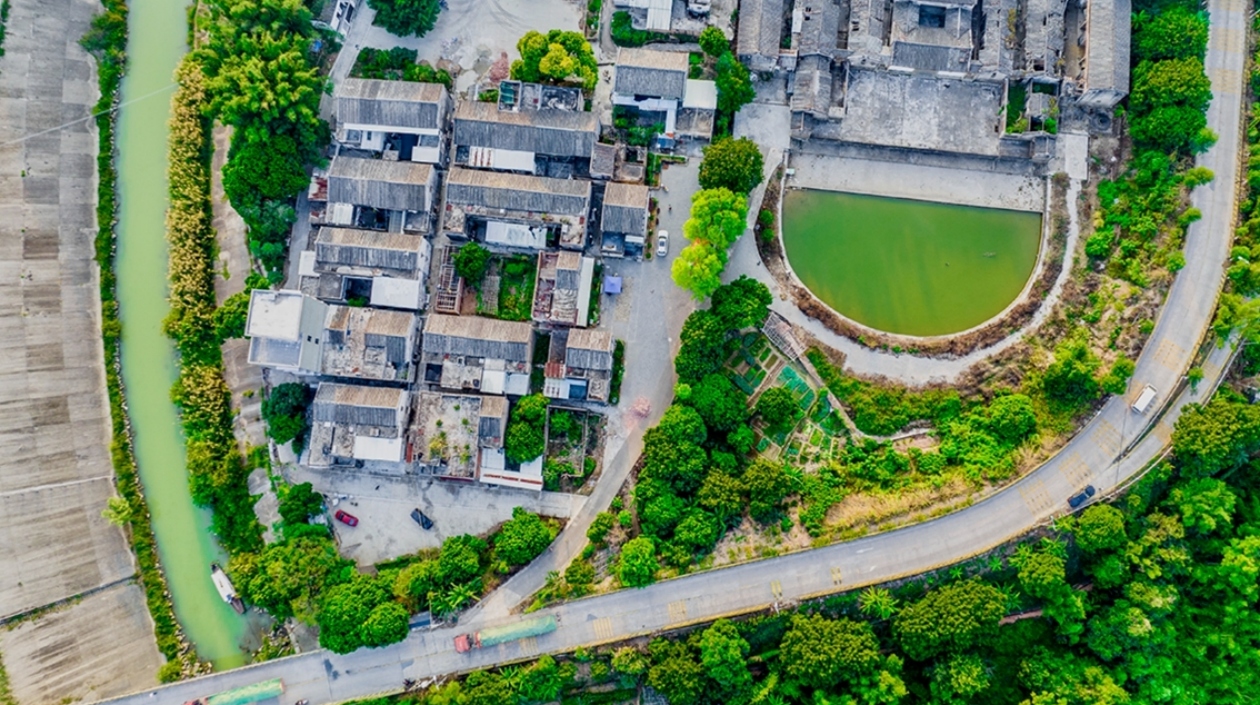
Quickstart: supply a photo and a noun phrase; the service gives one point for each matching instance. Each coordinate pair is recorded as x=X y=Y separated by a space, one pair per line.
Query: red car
x=346 y=518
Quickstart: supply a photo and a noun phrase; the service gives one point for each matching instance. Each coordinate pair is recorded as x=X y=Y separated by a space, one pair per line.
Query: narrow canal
x=154 y=48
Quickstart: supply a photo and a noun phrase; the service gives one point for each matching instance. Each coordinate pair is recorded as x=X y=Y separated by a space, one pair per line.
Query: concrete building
x=383 y=269
x=337 y=15
x=579 y=365
x=652 y=81
x=477 y=354
x=652 y=15
x=516 y=211
x=401 y=120
x=562 y=290
x=374 y=194
x=351 y=424
x=286 y=331
x=546 y=142
x=624 y=220
x=369 y=344
x=1107 y=37
x=460 y=437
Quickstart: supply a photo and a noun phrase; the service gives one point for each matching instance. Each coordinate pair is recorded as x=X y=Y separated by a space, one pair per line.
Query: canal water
x=909 y=267
x=154 y=48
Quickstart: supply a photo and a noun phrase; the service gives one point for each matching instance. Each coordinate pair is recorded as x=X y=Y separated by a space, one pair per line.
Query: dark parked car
x=425 y=522
x=1076 y=500
x=346 y=518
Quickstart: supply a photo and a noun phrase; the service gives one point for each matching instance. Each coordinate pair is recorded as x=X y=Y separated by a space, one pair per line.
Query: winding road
x=1113 y=448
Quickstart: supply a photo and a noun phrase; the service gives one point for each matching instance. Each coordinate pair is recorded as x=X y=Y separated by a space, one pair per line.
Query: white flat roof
x=369 y=448
x=274 y=314
x=700 y=95
x=396 y=293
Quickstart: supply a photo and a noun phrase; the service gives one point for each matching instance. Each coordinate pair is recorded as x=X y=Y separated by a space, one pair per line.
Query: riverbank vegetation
x=106 y=40
x=262 y=79
x=1151 y=599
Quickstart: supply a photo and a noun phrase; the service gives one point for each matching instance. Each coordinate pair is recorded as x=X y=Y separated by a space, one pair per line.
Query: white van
x=1144 y=399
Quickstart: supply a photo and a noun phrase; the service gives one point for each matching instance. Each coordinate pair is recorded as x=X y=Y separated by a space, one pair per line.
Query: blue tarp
x=612 y=285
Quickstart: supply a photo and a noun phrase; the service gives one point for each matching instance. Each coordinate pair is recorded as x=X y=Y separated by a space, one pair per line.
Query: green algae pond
x=909 y=267
x=154 y=47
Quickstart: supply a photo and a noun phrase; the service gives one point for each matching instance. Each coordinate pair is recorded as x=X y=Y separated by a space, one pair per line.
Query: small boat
x=224 y=586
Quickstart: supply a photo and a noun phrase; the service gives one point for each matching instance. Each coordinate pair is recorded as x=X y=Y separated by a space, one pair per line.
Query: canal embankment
x=56 y=477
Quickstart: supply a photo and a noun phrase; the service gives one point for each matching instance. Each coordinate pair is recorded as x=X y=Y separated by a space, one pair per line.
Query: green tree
x=1100 y=528
x=630 y=661
x=675 y=673
x=697 y=533
x=600 y=526
x=1070 y=379
x=471 y=262
x=767 y=485
x=258 y=170
x=288 y=577
x=777 y=407
x=721 y=404
x=724 y=655
x=698 y=269
x=556 y=57
x=1011 y=417
x=300 y=503
x=284 y=410
x=386 y=624
x=733 y=164
x=525 y=437
x=878 y=603
x=723 y=495
x=734 y=84
x=823 y=653
x=744 y=303
x=718 y=217
x=1212 y=438
x=415 y=582
x=460 y=559
x=1173 y=82
x=1206 y=504
x=955 y=617
x=1175 y=32
x=346 y=611
x=713 y=42
x=541 y=681
x=705 y=346
x=637 y=566
x=959 y=678
x=406 y=17
x=522 y=538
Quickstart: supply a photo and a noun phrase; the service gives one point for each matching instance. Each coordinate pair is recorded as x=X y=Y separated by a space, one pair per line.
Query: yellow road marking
x=1035 y=496
x=1075 y=471
x=776 y=589
x=1163 y=431
x=603 y=628
x=1108 y=438
x=1169 y=355
x=835 y=576
x=529 y=645
x=677 y=611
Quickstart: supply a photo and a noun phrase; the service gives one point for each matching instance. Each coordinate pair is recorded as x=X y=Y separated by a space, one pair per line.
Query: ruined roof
x=560 y=133
x=930 y=57
x=625 y=208
x=376 y=183
x=589 y=349
x=367 y=248
x=368 y=342
x=494 y=411
x=820 y=25
x=352 y=404
x=371 y=321
x=651 y=72
x=517 y=192
x=760 y=26
x=403 y=104
x=477 y=337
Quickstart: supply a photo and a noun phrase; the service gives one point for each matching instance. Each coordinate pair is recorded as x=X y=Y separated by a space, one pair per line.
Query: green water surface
x=909 y=267
x=154 y=48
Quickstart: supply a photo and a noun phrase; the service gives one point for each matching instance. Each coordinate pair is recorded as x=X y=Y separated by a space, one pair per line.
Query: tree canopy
x=734 y=164
x=284 y=410
x=406 y=17
x=559 y=56
x=471 y=262
x=525 y=438
x=522 y=538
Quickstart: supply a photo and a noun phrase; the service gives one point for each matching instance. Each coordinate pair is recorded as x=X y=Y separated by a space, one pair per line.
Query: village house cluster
x=412 y=371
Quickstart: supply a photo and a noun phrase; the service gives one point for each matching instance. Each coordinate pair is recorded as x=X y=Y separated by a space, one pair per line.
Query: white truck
x=1144 y=399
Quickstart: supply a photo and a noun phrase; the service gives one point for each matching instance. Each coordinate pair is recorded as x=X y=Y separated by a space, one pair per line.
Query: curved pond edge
x=169 y=635
x=1048 y=277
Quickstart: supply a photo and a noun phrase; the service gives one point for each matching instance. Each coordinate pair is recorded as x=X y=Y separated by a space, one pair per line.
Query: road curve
x=1114 y=447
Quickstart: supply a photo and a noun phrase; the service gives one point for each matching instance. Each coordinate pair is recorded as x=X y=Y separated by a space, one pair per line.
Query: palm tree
x=878 y=602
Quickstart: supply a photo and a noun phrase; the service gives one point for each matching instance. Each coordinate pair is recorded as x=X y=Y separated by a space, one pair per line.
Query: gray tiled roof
x=558 y=133
x=517 y=192
x=404 y=104
x=376 y=183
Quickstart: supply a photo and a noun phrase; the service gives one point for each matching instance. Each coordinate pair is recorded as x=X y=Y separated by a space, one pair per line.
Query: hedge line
x=216 y=471
x=107 y=42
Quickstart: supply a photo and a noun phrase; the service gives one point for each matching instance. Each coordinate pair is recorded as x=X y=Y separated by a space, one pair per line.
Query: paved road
x=1114 y=447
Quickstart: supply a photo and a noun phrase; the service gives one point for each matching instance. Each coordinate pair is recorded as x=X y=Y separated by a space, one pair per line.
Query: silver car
x=662 y=243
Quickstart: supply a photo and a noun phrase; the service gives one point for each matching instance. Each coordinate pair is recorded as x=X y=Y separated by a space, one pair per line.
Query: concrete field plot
x=55 y=471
